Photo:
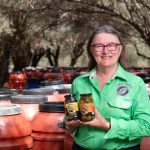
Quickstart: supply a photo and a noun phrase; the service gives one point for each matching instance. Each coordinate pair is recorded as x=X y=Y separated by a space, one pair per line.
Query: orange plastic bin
x=15 y=129
x=46 y=127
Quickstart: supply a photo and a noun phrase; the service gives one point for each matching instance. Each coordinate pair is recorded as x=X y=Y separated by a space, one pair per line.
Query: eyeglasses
x=112 y=47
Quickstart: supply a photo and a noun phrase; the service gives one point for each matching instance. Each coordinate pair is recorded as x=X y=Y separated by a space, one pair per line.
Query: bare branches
x=30 y=19
x=77 y=52
x=138 y=13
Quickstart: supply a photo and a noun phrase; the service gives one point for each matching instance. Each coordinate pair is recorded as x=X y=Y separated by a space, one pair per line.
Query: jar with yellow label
x=71 y=107
x=86 y=108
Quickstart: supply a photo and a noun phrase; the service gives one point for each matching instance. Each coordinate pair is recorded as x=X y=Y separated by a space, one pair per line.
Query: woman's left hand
x=98 y=122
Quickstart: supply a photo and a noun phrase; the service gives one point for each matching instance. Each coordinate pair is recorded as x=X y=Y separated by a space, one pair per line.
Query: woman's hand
x=73 y=124
x=98 y=122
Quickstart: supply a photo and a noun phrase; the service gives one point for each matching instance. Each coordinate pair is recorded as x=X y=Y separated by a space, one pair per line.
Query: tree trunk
x=53 y=56
x=39 y=53
x=4 y=61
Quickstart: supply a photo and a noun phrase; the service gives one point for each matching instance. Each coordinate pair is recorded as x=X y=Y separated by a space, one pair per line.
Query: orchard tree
x=5 y=46
x=127 y=15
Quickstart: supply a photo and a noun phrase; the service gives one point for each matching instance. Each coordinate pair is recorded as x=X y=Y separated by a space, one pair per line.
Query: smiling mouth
x=106 y=57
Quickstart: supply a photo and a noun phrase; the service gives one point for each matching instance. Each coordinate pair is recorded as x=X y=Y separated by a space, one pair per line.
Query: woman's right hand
x=71 y=125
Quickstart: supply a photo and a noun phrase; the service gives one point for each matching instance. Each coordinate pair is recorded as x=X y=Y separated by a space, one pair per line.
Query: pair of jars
x=84 y=110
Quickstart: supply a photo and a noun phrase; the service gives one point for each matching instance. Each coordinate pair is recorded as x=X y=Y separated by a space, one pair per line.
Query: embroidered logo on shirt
x=122 y=90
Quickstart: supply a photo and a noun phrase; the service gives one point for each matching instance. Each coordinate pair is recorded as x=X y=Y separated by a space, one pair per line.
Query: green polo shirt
x=123 y=101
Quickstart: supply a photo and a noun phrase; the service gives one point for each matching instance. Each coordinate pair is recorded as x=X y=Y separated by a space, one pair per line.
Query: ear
x=120 y=47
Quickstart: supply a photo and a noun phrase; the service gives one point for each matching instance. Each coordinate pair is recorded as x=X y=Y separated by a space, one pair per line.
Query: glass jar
x=86 y=107
x=71 y=107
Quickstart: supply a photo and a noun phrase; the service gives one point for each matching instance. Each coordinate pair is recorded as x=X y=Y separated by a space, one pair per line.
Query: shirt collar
x=120 y=73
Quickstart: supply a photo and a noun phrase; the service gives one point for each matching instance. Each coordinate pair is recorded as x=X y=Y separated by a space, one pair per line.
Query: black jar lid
x=69 y=95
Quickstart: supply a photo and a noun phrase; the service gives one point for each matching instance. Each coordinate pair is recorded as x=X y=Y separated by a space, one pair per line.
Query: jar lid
x=69 y=95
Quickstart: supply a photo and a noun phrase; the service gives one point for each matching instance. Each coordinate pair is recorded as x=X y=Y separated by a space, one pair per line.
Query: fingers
x=77 y=123
x=73 y=124
x=95 y=121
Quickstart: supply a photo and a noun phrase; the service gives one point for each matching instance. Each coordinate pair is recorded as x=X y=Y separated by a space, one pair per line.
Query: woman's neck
x=104 y=74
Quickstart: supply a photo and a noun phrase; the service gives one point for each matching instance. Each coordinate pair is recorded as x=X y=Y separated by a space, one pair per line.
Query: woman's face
x=106 y=49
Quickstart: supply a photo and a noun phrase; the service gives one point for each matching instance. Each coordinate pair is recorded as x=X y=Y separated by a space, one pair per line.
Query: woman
x=122 y=106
